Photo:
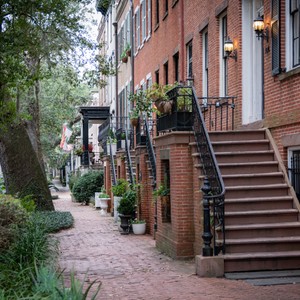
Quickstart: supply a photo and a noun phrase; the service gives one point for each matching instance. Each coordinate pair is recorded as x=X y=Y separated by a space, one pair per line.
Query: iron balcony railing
x=128 y=158
x=218 y=112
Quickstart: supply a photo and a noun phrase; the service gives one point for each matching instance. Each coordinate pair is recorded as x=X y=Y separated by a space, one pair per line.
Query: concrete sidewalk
x=130 y=267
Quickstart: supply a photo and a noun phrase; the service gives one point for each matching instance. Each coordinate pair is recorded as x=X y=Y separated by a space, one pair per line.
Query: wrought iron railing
x=104 y=130
x=213 y=189
x=294 y=172
x=218 y=112
x=128 y=158
x=112 y=163
x=151 y=153
x=152 y=160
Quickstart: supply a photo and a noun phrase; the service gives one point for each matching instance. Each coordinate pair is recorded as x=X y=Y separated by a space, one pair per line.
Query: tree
x=32 y=33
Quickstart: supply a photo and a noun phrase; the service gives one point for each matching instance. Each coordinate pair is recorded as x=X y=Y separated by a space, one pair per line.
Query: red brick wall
x=177 y=237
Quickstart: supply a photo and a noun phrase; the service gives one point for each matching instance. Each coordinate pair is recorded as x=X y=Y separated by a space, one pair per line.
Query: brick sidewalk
x=130 y=267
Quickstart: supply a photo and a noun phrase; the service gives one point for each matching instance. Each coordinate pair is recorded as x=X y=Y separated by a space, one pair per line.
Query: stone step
x=261 y=216
x=248 y=145
x=277 y=229
x=236 y=135
x=248 y=167
x=253 y=191
x=253 y=179
x=281 y=260
x=258 y=203
x=245 y=156
x=270 y=244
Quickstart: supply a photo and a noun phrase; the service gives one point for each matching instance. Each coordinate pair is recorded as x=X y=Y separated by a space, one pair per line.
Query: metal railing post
x=207 y=236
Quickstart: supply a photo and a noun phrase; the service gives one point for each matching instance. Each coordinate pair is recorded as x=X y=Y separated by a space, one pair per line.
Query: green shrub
x=127 y=203
x=53 y=221
x=72 y=179
x=120 y=188
x=12 y=216
x=28 y=203
x=87 y=185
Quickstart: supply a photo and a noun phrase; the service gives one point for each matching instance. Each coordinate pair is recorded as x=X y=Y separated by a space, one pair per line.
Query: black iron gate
x=294 y=172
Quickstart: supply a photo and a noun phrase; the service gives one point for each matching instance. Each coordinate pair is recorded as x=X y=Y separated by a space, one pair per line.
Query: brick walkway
x=130 y=267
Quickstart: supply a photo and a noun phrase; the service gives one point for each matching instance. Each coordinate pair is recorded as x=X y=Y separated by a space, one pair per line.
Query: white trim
x=148 y=76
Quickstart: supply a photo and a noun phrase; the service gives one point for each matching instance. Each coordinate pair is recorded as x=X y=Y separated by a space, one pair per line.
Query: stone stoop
x=262 y=225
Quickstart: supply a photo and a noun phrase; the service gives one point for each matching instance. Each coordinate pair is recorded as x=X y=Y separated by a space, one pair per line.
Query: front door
x=252 y=64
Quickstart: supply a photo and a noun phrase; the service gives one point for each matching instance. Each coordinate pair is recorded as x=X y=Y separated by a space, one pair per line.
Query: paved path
x=130 y=267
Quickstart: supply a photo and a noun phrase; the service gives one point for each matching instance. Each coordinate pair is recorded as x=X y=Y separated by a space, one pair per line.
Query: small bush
x=72 y=179
x=12 y=216
x=127 y=203
x=120 y=188
x=53 y=221
x=28 y=203
x=87 y=185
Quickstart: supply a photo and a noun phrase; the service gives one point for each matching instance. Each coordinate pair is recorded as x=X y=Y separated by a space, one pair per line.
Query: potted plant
x=164 y=193
x=157 y=94
x=118 y=190
x=134 y=117
x=126 y=209
x=128 y=50
x=138 y=226
x=101 y=200
x=141 y=102
x=124 y=56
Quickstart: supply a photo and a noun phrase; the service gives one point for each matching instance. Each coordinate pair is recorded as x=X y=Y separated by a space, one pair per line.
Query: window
x=166 y=69
x=137 y=29
x=205 y=64
x=157 y=11
x=149 y=16
x=166 y=6
x=295 y=24
x=176 y=67
x=224 y=59
x=157 y=76
x=127 y=34
x=143 y=7
x=189 y=51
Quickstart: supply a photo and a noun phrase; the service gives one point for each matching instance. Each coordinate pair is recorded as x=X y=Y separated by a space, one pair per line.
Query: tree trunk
x=21 y=168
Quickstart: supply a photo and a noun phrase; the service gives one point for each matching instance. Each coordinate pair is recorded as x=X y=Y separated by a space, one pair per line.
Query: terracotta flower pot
x=134 y=121
x=125 y=59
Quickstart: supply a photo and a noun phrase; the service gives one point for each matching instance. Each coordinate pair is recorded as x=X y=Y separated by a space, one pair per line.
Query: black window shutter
x=275 y=37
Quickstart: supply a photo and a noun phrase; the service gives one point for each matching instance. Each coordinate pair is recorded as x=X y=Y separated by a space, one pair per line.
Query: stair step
x=253 y=179
x=242 y=145
x=248 y=167
x=263 y=230
x=251 y=191
x=261 y=216
x=242 y=156
x=264 y=244
x=258 y=203
x=237 y=135
x=281 y=260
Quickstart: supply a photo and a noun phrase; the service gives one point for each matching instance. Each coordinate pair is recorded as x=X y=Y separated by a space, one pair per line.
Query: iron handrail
x=128 y=157
x=151 y=153
x=112 y=163
x=214 y=189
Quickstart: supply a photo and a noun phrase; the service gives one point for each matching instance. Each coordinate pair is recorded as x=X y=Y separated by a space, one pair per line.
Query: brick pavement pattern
x=131 y=268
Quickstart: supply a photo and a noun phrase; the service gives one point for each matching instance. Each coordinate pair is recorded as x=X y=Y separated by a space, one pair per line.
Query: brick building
x=184 y=41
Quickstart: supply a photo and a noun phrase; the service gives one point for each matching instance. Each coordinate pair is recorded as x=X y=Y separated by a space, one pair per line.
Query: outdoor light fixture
x=259 y=28
x=228 y=49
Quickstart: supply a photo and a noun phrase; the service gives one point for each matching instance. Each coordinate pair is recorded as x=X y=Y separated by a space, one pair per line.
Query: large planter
x=104 y=206
x=97 y=200
x=125 y=225
x=139 y=228
x=116 y=204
